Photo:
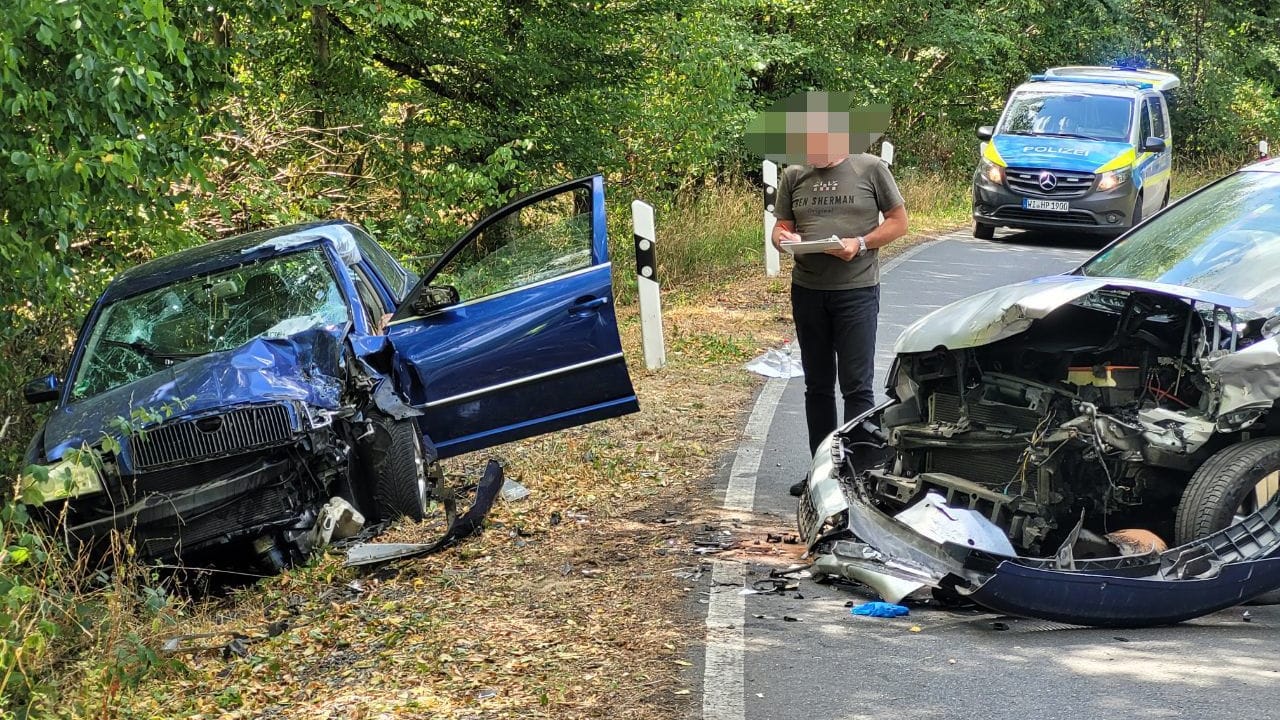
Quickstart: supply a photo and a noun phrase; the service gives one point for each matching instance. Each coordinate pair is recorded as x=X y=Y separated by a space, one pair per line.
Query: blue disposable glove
x=880 y=609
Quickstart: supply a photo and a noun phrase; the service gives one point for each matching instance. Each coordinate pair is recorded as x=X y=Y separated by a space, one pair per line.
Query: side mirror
x=435 y=297
x=1153 y=145
x=42 y=390
x=985 y=132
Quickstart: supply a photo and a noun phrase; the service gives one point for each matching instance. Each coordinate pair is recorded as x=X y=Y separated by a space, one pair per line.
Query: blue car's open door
x=530 y=344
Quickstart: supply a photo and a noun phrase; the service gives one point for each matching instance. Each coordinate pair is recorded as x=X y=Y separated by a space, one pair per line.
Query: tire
x=1224 y=487
x=394 y=468
x=1164 y=203
x=1137 y=211
x=983 y=231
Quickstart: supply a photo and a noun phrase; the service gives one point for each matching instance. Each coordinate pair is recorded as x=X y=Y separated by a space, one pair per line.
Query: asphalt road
x=827 y=664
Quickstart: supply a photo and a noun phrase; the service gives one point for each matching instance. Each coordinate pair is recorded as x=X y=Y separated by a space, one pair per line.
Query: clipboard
x=807 y=247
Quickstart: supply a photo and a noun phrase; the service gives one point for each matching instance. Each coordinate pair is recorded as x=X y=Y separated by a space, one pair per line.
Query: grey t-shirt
x=845 y=200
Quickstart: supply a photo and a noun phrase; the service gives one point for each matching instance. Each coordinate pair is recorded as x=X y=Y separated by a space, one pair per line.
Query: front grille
x=990 y=467
x=185 y=477
x=1069 y=184
x=806 y=514
x=1071 y=217
x=213 y=436
x=245 y=514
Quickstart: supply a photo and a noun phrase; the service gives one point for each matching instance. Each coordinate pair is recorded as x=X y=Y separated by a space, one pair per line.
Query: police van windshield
x=1075 y=115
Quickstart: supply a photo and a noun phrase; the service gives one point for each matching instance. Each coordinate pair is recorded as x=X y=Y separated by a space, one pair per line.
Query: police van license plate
x=1054 y=205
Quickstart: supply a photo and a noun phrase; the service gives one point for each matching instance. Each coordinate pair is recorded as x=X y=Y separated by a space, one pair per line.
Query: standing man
x=835 y=297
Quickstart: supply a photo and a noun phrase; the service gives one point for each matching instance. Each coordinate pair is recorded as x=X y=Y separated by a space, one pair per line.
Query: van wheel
x=983 y=231
x=1232 y=484
x=1137 y=211
x=1165 y=202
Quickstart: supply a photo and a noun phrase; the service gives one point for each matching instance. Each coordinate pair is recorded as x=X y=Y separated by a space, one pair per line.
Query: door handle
x=587 y=304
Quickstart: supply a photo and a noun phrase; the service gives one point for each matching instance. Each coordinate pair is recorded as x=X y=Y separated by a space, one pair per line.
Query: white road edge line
x=740 y=493
x=723 y=672
x=723 y=677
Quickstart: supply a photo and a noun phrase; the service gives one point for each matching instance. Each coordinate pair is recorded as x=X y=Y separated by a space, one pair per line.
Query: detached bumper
x=851 y=538
x=1103 y=212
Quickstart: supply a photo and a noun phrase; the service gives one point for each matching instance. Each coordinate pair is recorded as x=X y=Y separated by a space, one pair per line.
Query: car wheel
x=983 y=231
x=1230 y=485
x=395 y=467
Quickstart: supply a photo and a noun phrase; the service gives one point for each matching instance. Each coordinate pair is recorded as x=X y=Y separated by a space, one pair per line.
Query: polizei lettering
x=1054 y=150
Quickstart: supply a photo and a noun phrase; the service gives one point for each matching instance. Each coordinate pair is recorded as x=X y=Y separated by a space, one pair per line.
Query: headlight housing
x=63 y=479
x=1113 y=179
x=991 y=171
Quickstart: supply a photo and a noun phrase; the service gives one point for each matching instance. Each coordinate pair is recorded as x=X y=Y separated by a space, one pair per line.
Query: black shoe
x=798 y=488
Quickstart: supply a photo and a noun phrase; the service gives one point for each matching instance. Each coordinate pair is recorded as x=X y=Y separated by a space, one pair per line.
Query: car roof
x=209 y=257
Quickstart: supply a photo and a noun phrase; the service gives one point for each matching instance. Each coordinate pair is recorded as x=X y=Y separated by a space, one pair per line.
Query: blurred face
x=824 y=147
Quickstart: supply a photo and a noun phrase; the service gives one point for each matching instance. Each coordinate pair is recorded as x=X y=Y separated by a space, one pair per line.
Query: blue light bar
x=1140 y=84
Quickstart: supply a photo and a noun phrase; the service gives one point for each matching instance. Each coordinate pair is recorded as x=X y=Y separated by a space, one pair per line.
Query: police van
x=1082 y=148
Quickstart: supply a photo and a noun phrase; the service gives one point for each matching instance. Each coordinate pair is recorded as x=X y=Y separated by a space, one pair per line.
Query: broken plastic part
x=465 y=526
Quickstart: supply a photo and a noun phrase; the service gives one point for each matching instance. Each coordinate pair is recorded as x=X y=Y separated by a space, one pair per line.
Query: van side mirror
x=42 y=390
x=985 y=132
x=1153 y=145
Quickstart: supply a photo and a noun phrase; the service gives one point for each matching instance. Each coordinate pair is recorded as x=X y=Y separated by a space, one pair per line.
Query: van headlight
x=1113 y=179
x=63 y=479
x=991 y=171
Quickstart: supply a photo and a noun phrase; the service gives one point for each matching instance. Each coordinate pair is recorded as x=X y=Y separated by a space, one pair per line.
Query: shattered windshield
x=140 y=335
x=1093 y=117
x=1225 y=239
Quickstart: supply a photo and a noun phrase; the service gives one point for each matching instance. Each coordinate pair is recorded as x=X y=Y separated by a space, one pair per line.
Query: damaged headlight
x=63 y=479
x=824 y=458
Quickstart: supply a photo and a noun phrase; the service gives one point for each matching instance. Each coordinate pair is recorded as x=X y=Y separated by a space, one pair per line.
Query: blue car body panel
x=302 y=367
x=522 y=362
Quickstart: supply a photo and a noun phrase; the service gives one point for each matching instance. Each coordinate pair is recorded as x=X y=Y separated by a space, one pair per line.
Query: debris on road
x=880 y=609
x=513 y=491
x=781 y=362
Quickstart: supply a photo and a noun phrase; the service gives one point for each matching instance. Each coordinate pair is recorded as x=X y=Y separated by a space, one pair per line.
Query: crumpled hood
x=1057 y=153
x=306 y=367
x=1006 y=311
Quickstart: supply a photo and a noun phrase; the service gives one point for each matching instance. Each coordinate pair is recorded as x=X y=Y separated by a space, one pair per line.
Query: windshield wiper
x=1073 y=135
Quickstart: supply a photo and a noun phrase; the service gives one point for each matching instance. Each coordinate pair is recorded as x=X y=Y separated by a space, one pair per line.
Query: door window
x=527 y=245
x=1157 y=117
x=1144 y=129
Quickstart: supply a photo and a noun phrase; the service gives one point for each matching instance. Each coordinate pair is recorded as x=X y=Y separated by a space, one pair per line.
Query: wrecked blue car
x=218 y=399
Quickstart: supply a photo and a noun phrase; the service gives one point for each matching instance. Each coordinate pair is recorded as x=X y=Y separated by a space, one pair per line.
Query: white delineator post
x=772 y=263
x=655 y=351
x=886 y=157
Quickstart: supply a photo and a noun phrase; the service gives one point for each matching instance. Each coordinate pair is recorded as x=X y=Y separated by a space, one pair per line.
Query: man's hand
x=847 y=251
x=781 y=235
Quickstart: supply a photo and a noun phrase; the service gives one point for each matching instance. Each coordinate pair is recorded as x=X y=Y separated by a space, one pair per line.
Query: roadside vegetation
x=138 y=127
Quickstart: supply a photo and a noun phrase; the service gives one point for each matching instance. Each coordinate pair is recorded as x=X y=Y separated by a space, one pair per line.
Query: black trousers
x=836 y=330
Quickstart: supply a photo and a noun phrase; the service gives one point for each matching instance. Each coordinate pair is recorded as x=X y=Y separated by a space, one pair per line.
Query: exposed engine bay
x=1097 y=414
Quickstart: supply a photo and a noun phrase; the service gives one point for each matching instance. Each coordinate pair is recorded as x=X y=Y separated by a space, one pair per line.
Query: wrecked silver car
x=1100 y=447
